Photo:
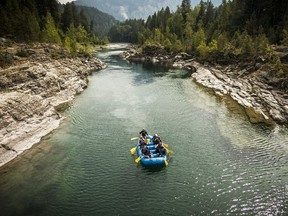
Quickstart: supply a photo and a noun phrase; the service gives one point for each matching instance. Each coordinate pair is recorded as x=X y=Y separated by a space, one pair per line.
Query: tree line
x=237 y=29
x=46 y=21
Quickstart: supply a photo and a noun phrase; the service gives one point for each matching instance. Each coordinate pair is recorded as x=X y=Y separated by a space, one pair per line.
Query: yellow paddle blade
x=166 y=163
x=134 y=138
x=170 y=151
x=133 y=150
x=166 y=145
x=137 y=160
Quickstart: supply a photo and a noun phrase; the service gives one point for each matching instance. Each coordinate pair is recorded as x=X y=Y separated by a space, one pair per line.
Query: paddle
x=166 y=145
x=169 y=151
x=166 y=163
x=137 y=160
x=133 y=151
x=134 y=138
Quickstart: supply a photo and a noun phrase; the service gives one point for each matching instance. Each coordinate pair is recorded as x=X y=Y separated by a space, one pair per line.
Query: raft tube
x=155 y=160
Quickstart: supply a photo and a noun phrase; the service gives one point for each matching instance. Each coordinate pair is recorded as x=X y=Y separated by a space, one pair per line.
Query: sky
x=64 y=1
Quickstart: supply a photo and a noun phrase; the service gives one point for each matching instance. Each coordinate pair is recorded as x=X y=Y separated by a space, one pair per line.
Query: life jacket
x=145 y=151
x=163 y=151
x=156 y=141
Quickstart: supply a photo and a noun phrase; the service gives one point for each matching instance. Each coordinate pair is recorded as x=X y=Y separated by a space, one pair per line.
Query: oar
x=133 y=151
x=134 y=138
x=166 y=145
x=166 y=163
x=169 y=151
x=137 y=160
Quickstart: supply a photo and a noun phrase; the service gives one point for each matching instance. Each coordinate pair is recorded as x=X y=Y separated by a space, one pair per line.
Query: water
x=222 y=164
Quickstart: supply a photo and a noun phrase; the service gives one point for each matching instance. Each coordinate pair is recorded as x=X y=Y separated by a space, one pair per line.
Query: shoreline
x=261 y=102
x=31 y=92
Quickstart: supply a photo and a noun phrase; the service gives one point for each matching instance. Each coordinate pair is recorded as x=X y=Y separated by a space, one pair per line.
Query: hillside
x=127 y=9
x=101 y=22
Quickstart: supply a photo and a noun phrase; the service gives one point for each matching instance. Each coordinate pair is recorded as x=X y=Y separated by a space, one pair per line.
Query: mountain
x=130 y=9
x=102 y=22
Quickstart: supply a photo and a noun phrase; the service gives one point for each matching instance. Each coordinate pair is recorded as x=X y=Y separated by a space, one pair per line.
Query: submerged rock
x=261 y=102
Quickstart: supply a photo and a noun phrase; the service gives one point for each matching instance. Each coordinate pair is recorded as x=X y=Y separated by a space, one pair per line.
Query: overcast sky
x=64 y=1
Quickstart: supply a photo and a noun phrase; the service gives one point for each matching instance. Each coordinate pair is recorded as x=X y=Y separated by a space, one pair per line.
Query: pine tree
x=185 y=9
x=32 y=28
x=284 y=40
x=50 y=32
x=83 y=20
x=67 y=17
x=5 y=25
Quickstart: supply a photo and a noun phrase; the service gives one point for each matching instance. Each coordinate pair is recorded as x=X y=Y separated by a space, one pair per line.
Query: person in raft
x=156 y=138
x=146 y=152
x=158 y=143
x=143 y=133
x=141 y=142
x=162 y=151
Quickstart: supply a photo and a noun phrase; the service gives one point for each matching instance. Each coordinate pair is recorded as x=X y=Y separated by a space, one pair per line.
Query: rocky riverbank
x=262 y=102
x=35 y=82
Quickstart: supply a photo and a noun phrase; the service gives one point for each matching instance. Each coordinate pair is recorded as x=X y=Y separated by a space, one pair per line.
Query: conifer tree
x=50 y=33
x=185 y=9
x=32 y=28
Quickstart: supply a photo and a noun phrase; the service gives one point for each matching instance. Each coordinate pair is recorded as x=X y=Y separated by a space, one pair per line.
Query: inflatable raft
x=153 y=161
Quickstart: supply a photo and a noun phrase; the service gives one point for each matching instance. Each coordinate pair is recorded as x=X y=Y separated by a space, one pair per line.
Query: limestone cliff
x=31 y=87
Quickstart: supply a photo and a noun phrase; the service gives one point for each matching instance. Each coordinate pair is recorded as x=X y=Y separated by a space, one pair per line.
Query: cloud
x=65 y=1
x=123 y=12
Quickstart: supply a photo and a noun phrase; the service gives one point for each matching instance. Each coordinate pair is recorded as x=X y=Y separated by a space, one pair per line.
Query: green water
x=222 y=164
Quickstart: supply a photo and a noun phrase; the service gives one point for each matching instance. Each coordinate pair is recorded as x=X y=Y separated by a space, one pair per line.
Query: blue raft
x=155 y=160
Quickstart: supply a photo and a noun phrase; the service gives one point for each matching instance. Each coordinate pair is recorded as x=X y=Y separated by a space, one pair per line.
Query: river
x=222 y=164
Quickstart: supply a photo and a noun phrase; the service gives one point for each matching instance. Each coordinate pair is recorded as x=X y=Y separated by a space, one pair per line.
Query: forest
x=235 y=29
x=50 y=22
x=235 y=32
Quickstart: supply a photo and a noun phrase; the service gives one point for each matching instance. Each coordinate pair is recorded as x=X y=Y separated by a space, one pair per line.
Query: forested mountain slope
x=100 y=22
x=131 y=9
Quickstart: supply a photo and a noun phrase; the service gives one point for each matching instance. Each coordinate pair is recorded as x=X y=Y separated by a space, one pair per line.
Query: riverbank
x=36 y=81
x=262 y=102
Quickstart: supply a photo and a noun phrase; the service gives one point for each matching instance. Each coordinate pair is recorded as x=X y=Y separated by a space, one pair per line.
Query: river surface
x=222 y=164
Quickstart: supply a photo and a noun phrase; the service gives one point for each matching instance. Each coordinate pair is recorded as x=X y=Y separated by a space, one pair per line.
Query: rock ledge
x=30 y=90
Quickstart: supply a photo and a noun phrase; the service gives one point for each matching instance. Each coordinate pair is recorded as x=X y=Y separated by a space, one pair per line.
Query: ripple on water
x=222 y=164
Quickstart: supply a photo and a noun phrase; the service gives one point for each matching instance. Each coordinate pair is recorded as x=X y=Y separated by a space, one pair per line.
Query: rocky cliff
x=33 y=84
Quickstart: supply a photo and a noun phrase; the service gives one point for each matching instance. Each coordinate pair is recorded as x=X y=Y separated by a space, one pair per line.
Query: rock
x=30 y=92
x=256 y=116
x=277 y=116
x=260 y=59
x=257 y=66
x=258 y=101
x=284 y=59
x=6 y=59
x=248 y=90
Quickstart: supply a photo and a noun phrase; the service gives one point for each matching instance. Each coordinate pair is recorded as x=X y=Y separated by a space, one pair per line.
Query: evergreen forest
x=237 y=29
x=50 y=22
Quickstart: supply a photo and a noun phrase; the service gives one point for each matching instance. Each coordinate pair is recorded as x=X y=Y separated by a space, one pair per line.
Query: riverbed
x=222 y=164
